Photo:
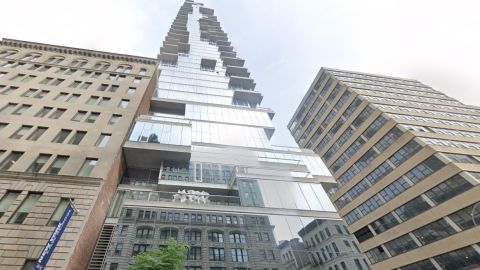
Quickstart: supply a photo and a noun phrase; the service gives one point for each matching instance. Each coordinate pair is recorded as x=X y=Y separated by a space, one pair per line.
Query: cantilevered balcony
x=241 y=83
x=182 y=38
x=168 y=57
x=206 y=11
x=237 y=71
x=230 y=61
x=169 y=48
x=153 y=139
x=223 y=48
x=253 y=97
x=224 y=43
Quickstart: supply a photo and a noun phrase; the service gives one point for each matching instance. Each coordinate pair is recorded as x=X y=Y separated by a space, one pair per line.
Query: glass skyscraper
x=199 y=165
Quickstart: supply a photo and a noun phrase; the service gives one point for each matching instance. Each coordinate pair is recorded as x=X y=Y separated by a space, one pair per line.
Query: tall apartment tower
x=64 y=115
x=199 y=166
x=406 y=161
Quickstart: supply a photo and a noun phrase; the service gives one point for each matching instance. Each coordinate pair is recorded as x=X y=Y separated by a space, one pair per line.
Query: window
x=43 y=111
x=75 y=84
x=58 y=213
x=92 y=117
x=77 y=137
x=102 y=87
x=124 y=68
x=448 y=189
x=123 y=229
x=7 y=200
x=193 y=235
x=3 y=125
x=339 y=229
x=237 y=238
x=55 y=59
x=37 y=165
x=194 y=253
x=87 y=167
x=29 y=264
x=46 y=80
x=79 y=116
x=103 y=140
x=239 y=255
x=85 y=85
x=73 y=97
x=20 y=110
x=137 y=80
x=57 y=82
x=144 y=232
x=358 y=264
x=114 y=119
x=20 y=132
x=113 y=88
x=57 y=165
x=101 y=65
x=79 y=62
x=412 y=208
x=29 y=92
x=142 y=72
x=131 y=90
x=92 y=100
x=57 y=113
x=139 y=248
x=2 y=74
x=22 y=212
x=167 y=233
x=216 y=254
x=31 y=57
x=10 y=160
x=434 y=231
x=8 y=53
x=61 y=136
x=8 y=90
x=41 y=94
x=215 y=237
x=464 y=258
x=113 y=266
x=401 y=245
x=124 y=103
x=8 y=108
x=104 y=102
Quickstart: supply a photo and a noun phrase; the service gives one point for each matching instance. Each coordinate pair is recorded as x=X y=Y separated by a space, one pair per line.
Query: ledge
x=150 y=155
x=77 y=51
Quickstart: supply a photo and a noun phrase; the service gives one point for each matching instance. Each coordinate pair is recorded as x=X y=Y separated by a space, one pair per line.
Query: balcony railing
x=183 y=198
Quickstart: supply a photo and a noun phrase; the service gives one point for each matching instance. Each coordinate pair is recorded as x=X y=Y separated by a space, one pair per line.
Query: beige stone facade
x=61 y=106
x=407 y=163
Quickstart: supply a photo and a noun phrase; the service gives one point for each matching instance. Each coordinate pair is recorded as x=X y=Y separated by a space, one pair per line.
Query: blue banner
x=52 y=242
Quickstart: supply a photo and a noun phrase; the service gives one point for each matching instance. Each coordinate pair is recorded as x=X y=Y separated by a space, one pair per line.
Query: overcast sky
x=284 y=42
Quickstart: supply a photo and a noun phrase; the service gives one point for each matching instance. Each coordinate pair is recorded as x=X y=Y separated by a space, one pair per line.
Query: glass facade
x=217 y=183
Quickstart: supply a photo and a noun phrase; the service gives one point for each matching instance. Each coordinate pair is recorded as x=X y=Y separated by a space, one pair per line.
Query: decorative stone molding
x=77 y=51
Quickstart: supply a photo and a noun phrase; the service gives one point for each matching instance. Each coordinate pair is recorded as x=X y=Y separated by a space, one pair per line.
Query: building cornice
x=77 y=51
x=51 y=178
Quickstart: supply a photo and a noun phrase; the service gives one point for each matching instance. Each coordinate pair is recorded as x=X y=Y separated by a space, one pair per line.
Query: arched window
x=55 y=59
x=7 y=53
x=145 y=232
x=31 y=56
x=215 y=236
x=124 y=68
x=238 y=237
x=143 y=71
x=168 y=232
x=102 y=65
x=79 y=62
x=193 y=235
